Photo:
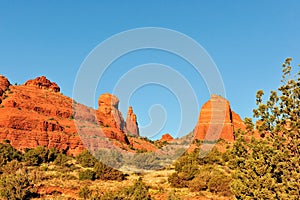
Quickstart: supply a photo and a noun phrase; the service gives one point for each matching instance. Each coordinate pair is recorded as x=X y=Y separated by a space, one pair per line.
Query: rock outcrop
x=4 y=84
x=36 y=114
x=108 y=113
x=217 y=121
x=111 y=118
x=43 y=83
x=166 y=138
x=131 y=123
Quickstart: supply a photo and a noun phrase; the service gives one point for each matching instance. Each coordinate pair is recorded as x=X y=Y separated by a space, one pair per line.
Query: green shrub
x=87 y=175
x=84 y=192
x=139 y=191
x=39 y=155
x=16 y=186
x=8 y=153
x=219 y=183
x=176 y=181
x=11 y=167
x=104 y=172
x=62 y=160
x=86 y=159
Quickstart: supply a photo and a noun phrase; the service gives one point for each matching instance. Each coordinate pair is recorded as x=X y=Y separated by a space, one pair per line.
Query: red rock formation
x=131 y=123
x=31 y=117
x=4 y=84
x=108 y=113
x=217 y=120
x=43 y=83
x=166 y=138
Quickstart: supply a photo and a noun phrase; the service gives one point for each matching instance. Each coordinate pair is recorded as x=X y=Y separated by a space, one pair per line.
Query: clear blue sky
x=248 y=40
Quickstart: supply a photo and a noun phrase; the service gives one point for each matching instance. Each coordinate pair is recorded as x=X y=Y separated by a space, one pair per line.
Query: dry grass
x=56 y=186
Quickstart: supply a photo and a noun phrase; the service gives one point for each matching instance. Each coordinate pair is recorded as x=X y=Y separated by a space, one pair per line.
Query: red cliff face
x=110 y=117
x=131 y=123
x=217 y=120
x=37 y=114
x=108 y=113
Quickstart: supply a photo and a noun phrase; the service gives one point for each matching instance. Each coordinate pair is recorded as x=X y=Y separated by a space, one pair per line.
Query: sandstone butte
x=166 y=138
x=37 y=114
x=217 y=121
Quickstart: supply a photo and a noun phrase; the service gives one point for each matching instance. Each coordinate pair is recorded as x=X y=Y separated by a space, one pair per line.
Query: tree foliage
x=8 y=153
x=39 y=155
x=16 y=186
x=268 y=167
x=202 y=173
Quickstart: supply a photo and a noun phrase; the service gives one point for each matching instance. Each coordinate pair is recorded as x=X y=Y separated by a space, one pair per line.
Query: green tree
x=268 y=167
x=8 y=153
x=39 y=155
x=86 y=159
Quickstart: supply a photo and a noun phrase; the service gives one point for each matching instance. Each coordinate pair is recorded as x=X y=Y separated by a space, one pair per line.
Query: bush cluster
x=138 y=191
x=201 y=174
x=99 y=170
x=39 y=155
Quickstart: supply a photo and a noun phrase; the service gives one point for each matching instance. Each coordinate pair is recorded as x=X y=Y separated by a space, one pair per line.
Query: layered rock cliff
x=37 y=114
x=217 y=121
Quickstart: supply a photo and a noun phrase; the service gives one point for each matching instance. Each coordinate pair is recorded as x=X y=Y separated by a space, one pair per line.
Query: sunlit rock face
x=217 y=121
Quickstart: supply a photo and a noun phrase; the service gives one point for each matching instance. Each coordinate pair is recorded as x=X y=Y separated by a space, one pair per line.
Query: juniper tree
x=268 y=167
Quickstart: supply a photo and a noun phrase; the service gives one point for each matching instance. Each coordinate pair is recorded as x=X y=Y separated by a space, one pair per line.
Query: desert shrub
x=187 y=166
x=11 y=167
x=104 y=172
x=84 y=192
x=8 y=153
x=198 y=173
x=176 y=181
x=39 y=155
x=139 y=191
x=37 y=176
x=62 y=160
x=87 y=175
x=173 y=196
x=212 y=157
x=200 y=182
x=219 y=183
x=213 y=179
x=16 y=186
x=86 y=159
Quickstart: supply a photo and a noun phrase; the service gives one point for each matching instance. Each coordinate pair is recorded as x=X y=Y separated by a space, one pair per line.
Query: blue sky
x=248 y=41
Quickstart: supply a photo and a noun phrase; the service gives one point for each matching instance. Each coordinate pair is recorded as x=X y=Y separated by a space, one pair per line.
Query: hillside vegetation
x=261 y=163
